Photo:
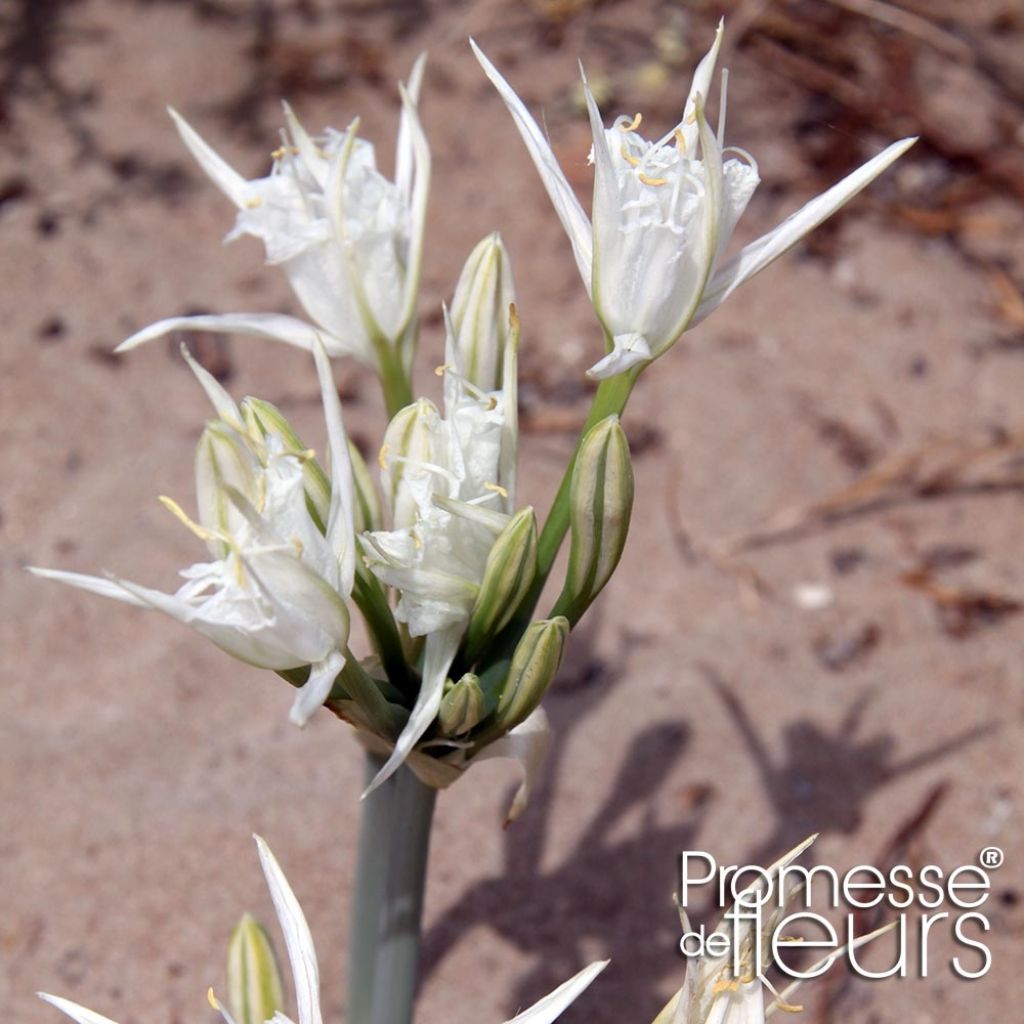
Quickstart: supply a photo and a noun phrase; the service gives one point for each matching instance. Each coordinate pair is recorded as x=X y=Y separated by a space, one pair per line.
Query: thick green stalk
x=384 y=944
x=394 y=380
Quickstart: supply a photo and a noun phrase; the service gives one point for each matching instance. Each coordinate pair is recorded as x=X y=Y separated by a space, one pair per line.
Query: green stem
x=394 y=380
x=384 y=944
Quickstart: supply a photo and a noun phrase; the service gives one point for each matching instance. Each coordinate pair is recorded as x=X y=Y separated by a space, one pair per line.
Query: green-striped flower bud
x=479 y=313
x=600 y=503
x=266 y=420
x=534 y=664
x=508 y=575
x=462 y=705
x=408 y=442
x=254 y=981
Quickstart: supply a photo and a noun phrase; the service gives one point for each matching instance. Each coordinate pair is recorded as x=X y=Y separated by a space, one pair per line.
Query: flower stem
x=394 y=380
x=394 y=841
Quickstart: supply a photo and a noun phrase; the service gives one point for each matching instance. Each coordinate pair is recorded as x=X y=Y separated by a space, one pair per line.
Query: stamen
x=278 y=154
x=652 y=181
x=299 y=546
x=496 y=489
x=382 y=456
x=261 y=495
x=441 y=370
x=254 y=203
x=212 y=999
x=680 y=138
x=632 y=125
x=628 y=157
x=200 y=531
x=417 y=543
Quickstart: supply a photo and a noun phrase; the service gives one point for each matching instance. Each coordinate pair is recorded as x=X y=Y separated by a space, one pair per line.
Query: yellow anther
x=492 y=403
x=647 y=180
x=279 y=153
x=496 y=489
x=261 y=494
x=299 y=547
x=633 y=161
x=633 y=125
x=680 y=141
x=441 y=370
x=692 y=117
x=212 y=999
x=789 y=1007
x=725 y=985
x=175 y=509
x=417 y=543
x=382 y=456
x=254 y=203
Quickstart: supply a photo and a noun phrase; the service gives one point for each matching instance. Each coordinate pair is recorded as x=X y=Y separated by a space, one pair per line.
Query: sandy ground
x=703 y=707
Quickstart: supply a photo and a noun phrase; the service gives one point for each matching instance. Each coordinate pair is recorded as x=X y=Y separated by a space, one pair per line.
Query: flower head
x=349 y=240
x=663 y=214
x=274 y=594
x=306 y=971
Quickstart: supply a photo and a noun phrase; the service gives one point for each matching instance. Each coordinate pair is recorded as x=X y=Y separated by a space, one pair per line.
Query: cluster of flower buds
x=444 y=565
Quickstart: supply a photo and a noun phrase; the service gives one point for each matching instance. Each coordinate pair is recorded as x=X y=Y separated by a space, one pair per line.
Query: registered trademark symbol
x=991 y=857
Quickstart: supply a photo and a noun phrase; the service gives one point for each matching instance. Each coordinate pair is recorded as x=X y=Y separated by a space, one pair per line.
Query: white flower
x=274 y=595
x=349 y=240
x=306 y=971
x=663 y=213
x=451 y=486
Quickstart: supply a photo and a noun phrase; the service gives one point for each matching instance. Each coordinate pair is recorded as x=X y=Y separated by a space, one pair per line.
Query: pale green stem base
x=384 y=944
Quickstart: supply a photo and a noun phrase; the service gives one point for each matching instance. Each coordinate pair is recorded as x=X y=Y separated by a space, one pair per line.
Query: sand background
x=702 y=706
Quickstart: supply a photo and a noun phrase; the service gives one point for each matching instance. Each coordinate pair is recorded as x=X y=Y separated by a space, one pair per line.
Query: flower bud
x=462 y=706
x=254 y=980
x=479 y=313
x=266 y=420
x=408 y=442
x=508 y=575
x=600 y=503
x=534 y=664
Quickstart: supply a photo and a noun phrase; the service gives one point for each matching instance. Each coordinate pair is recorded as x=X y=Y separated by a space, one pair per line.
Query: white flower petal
x=225 y=405
x=555 y=1003
x=275 y=326
x=80 y=1013
x=629 y=350
x=340 y=527
x=220 y=172
x=753 y=258
x=528 y=745
x=419 y=191
x=404 y=153
x=567 y=206
x=441 y=648
x=297 y=937
x=700 y=87
x=315 y=690
x=105 y=587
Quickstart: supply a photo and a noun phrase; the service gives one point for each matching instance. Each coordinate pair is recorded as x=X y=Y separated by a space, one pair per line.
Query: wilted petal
x=628 y=350
x=527 y=744
x=315 y=690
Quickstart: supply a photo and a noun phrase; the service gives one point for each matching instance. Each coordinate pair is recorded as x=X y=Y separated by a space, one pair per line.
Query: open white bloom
x=306 y=971
x=451 y=487
x=349 y=240
x=663 y=213
x=274 y=594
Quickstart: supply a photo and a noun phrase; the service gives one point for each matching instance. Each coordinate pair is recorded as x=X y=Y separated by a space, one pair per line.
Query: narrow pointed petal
x=80 y=1013
x=700 y=88
x=220 y=172
x=607 y=201
x=340 y=526
x=316 y=689
x=440 y=651
x=275 y=326
x=92 y=584
x=629 y=350
x=527 y=744
x=753 y=258
x=555 y=1003
x=404 y=147
x=297 y=937
x=419 y=192
x=225 y=405
x=308 y=150
x=567 y=206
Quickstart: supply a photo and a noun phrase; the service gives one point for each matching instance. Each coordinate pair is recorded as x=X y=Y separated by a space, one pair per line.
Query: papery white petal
x=528 y=745
x=404 y=153
x=315 y=690
x=417 y=202
x=220 y=172
x=105 y=587
x=225 y=405
x=753 y=258
x=340 y=527
x=80 y=1013
x=297 y=937
x=275 y=326
x=440 y=651
x=567 y=206
x=628 y=351
x=607 y=204
x=549 y=1008
x=310 y=154
x=700 y=88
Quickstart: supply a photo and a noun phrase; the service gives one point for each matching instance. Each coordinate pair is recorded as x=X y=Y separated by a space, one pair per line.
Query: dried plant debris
x=846 y=645
x=961 y=610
